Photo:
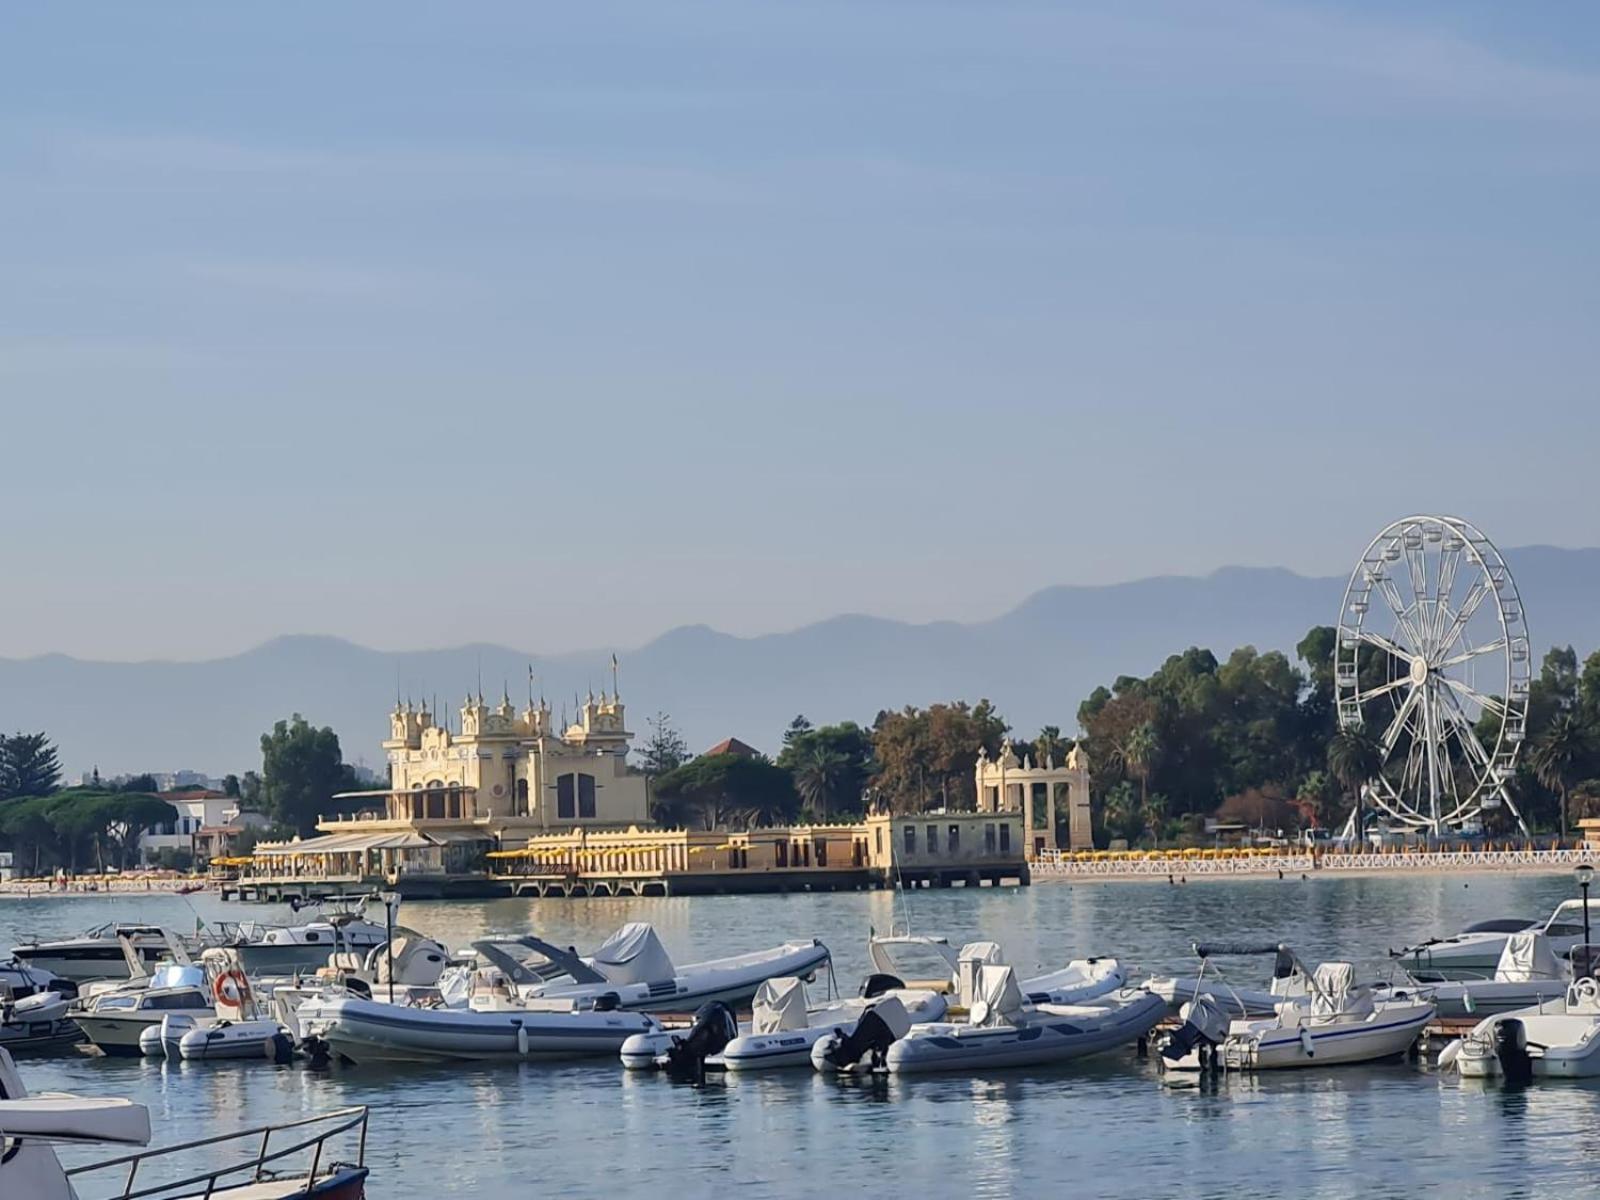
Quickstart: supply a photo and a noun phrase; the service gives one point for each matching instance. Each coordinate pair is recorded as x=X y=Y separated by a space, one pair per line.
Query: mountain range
x=1036 y=662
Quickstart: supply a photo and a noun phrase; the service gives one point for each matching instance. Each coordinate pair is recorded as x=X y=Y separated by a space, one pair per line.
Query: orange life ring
x=232 y=988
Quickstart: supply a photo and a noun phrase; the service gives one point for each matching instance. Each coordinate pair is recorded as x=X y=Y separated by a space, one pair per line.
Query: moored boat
x=304 y=1169
x=1557 y=1039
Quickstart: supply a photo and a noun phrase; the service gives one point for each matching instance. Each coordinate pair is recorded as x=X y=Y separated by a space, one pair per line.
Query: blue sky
x=562 y=325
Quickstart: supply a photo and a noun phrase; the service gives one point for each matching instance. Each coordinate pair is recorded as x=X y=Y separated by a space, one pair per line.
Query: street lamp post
x=1585 y=874
x=390 y=901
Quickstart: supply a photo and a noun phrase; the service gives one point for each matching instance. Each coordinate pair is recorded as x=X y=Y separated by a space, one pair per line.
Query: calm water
x=1105 y=1128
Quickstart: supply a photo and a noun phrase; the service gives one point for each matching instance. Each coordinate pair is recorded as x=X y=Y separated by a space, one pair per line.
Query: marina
x=1441 y=1121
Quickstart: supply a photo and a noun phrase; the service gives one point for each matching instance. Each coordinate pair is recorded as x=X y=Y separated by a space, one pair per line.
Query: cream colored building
x=516 y=767
x=1038 y=792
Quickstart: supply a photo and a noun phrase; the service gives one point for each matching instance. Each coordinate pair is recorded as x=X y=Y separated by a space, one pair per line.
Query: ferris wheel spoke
x=1393 y=685
x=1493 y=647
x=1391 y=735
x=1466 y=734
x=1417 y=560
x=1401 y=611
x=1449 y=564
x=1491 y=703
x=1469 y=605
x=1383 y=643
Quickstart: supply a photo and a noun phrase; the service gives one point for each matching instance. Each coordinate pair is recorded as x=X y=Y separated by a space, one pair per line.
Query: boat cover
x=1527 y=956
x=418 y=961
x=999 y=995
x=988 y=953
x=779 y=1006
x=633 y=954
x=1331 y=995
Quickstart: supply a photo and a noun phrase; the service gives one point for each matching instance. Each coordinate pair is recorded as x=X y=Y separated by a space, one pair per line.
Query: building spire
x=616 y=690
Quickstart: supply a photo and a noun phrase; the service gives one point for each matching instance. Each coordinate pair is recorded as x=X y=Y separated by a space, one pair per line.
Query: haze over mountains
x=1036 y=662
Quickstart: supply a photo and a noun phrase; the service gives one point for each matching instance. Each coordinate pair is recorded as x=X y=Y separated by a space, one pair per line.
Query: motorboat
x=406 y=971
x=299 y=1165
x=281 y=949
x=1476 y=950
x=1288 y=983
x=38 y=1023
x=19 y=980
x=498 y=1024
x=1005 y=1029
x=237 y=1027
x=99 y=953
x=784 y=1026
x=917 y=958
x=114 y=1020
x=634 y=968
x=1557 y=1039
x=1335 y=1022
x=1528 y=974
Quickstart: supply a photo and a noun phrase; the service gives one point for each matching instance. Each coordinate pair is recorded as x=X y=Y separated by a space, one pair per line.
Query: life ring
x=232 y=988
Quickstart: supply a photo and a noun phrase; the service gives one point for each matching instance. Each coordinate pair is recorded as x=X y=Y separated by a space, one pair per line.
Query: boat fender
x=1306 y=1044
x=1467 y=1002
x=522 y=1039
x=878 y=983
x=1448 y=1056
x=1511 y=1048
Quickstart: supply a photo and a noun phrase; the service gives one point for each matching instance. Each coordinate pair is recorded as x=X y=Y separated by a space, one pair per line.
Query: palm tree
x=1354 y=759
x=1557 y=757
x=819 y=777
x=1139 y=752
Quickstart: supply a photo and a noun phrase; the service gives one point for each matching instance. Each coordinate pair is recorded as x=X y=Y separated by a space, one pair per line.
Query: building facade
x=515 y=767
x=1039 y=792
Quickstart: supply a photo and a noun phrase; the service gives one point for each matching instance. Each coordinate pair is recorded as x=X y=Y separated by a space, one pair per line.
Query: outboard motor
x=878 y=983
x=714 y=1027
x=279 y=1048
x=1511 y=1048
x=864 y=1048
x=1204 y=1027
x=611 y=1002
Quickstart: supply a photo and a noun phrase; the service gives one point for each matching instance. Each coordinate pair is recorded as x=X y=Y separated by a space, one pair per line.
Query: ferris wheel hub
x=1419 y=671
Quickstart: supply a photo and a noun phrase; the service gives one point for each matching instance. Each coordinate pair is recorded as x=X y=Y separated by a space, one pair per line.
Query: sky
x=563 y=325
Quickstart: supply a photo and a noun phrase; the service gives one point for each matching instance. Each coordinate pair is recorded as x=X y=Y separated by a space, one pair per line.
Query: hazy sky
x=560 y=325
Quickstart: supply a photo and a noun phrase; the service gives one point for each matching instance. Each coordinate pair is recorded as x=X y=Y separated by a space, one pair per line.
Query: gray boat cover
x=633 y=954
x=779 y=1006
x=1527 y=957
x=1334 y=991
x=999 y=998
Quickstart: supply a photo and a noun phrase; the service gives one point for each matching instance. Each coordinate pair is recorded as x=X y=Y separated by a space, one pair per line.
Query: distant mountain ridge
x=1036 y=662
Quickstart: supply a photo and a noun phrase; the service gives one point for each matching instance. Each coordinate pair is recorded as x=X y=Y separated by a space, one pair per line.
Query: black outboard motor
x=714 y=1027
x=864 y=1047
x=1511 y=1048
x=1203 y=1030
x=878 y=983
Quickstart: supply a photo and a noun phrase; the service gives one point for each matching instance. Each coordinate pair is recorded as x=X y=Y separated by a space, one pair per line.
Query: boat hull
x=1264 y=1046
x=371 y=1031
x=119 y=1035
x=1044 y=1040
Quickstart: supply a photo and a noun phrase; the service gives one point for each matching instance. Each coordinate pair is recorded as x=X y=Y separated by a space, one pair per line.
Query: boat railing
x=338 y=1122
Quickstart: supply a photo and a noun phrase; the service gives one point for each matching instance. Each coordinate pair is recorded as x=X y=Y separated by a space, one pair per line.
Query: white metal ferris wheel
x=1433 y=660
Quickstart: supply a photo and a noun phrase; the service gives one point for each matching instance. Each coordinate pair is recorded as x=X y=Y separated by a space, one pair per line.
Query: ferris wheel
x=1432 y=659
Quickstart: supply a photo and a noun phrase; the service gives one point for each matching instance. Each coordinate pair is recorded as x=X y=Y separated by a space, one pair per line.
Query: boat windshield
x=528 y=960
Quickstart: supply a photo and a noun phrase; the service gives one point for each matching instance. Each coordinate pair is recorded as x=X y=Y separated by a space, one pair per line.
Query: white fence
x=1054 y=864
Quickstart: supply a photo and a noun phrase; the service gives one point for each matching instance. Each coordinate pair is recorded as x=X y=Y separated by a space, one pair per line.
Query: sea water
x=1103 y=1127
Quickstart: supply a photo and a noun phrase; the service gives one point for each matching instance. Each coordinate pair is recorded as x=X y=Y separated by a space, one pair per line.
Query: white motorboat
x=99 y=953
x=114 y=1020
x=300 y=1165
x=1558 y=1039
x=282 y=949
x=1528 y=973
x=497 y=1025
x=1004 y=1029
x=407 y=972
x=634 y=967
x=38 y=1023
x=236 y=1028
x=784 y=1027
x=1475 y=951
x=19 y=980
x=1335 y=1022
x=914 y=961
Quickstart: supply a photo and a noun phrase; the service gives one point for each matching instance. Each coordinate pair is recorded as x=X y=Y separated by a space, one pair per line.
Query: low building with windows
x=196 y=809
